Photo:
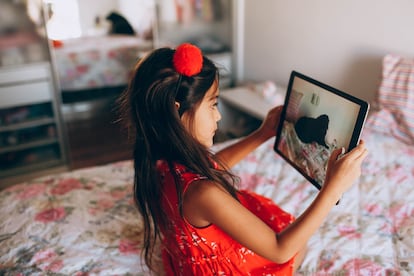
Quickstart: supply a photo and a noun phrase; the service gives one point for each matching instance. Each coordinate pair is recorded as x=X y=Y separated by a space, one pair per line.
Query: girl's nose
x=218 y=116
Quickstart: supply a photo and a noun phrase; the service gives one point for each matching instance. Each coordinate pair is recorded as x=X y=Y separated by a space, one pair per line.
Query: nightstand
x=243 y=109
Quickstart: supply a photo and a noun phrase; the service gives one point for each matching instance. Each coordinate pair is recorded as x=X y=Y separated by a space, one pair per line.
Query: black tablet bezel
x=359 y=124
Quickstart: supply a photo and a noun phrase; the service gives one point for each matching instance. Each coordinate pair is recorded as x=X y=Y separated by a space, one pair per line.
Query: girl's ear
x=177 y=105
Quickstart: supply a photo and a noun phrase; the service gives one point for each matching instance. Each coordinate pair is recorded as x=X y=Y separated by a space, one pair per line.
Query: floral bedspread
x=97 y=61
x=84 y=222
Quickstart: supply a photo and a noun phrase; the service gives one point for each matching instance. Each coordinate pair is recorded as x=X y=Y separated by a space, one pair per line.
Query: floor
x=95 y=139
x=93 y=136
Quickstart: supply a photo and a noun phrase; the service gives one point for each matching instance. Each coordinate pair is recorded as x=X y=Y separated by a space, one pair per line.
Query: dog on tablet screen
x=312 y=129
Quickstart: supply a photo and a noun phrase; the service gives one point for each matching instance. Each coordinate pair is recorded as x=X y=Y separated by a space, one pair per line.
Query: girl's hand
x=270 y=124
x=235 y=152
x=342 y=173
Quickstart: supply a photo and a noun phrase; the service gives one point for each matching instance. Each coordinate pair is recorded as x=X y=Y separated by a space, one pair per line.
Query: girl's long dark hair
x=148 y=108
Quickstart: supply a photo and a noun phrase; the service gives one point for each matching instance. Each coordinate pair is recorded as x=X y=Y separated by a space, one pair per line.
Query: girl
x=186 y=194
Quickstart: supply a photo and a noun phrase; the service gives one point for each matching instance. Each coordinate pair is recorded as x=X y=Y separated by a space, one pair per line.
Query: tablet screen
x=317 y=119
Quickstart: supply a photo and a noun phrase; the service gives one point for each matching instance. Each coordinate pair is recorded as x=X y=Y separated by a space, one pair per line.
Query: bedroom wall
x=139 y=13
x=88 y=10
x=340 y=43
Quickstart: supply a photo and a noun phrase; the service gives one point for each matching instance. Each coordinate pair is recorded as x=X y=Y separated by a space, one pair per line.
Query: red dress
x=210 y=251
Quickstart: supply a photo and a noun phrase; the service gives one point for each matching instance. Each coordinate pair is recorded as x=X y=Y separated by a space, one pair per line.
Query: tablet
x=317 y=119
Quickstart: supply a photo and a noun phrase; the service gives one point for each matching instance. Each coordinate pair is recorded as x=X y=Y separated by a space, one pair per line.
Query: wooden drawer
x=27 y=73
x=26 y=93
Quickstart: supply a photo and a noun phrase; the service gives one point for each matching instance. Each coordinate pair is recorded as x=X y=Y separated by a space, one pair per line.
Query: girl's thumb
x=336 y=154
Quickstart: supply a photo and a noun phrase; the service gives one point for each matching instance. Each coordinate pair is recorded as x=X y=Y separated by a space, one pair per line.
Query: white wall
x=90 y=9
x=139 y=13
x=340 y=43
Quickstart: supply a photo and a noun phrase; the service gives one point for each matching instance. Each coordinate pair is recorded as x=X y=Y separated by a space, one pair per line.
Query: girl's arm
x=234 y=153
x=205 y=203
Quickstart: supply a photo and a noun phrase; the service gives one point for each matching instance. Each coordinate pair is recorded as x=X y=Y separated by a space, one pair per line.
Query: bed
x=94 y=62
x=84 y=222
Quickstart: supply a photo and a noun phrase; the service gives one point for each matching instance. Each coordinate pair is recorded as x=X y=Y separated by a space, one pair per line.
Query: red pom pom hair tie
x=188 y=60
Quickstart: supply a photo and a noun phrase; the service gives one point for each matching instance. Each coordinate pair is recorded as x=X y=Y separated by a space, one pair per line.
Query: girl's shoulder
x=185 y=174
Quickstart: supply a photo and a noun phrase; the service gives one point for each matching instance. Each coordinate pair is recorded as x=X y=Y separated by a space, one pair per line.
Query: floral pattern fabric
x=97 y=61
x=84 y=222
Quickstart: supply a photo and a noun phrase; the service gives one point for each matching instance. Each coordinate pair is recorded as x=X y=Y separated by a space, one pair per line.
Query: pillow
x=383 y=121
x=396 y=95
